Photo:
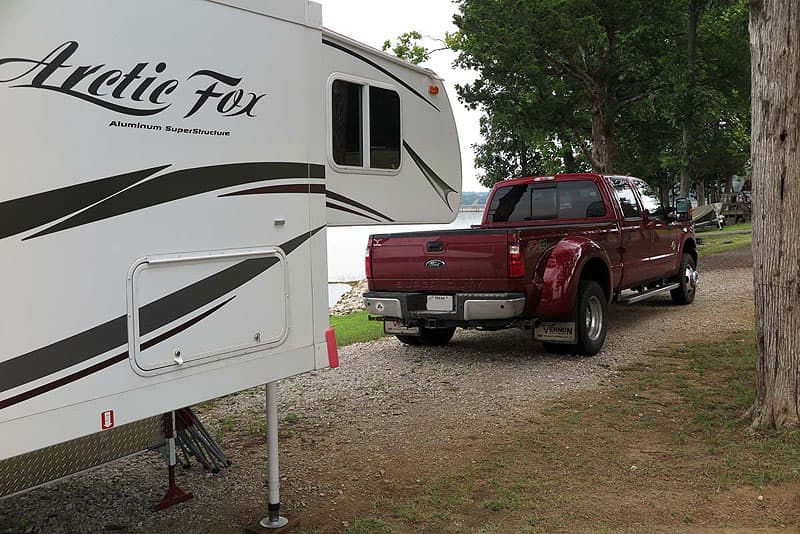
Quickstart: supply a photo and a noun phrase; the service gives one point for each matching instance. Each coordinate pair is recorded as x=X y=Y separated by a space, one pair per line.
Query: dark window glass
x=650 y=201
x=524 y=203
x=544 y=203
x=510 y=204
x=627 y=200
x=384 y=129
x=579 y=199
x=347 y=124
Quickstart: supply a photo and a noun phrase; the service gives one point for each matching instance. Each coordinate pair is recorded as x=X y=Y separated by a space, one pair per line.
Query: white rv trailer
x=168 y=172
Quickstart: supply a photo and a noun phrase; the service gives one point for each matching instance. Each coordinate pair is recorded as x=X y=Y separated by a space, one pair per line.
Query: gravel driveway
x=390 y=416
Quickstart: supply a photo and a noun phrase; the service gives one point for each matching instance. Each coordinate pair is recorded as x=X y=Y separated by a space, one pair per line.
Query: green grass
x=714 y=244
x=355 y=328
x=738 y=227
x=669 y=431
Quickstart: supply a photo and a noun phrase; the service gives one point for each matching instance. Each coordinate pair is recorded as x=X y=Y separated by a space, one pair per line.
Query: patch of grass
x=291 y=418
x=711 y=244
x=356 y=328
x=369 y=526
x=664 y=445
x=738 y=227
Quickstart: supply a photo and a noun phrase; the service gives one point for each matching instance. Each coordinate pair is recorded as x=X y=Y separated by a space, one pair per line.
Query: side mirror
x=683 y=209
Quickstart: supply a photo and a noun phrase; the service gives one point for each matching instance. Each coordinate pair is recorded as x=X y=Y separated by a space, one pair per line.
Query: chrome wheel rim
x=690 y=279
x=594 y=318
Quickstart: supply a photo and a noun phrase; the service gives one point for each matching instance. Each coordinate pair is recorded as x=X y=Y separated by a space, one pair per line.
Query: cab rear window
x=535 y=202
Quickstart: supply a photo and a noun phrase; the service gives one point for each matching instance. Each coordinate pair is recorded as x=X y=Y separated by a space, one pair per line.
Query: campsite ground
x=488 y=434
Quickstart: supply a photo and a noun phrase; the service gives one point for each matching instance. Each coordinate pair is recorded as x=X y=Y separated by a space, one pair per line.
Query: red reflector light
x=434 y=90
x=516 y=264
x=333 y=351
x=368 y=264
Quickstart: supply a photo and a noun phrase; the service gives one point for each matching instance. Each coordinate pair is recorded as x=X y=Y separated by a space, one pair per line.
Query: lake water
x=346 y=245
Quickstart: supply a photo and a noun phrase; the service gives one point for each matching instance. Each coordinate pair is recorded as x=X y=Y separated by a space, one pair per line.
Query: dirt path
x=391 y=417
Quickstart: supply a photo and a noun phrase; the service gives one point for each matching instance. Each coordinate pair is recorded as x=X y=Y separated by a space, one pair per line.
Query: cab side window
x=627 y=199
x=650 y=201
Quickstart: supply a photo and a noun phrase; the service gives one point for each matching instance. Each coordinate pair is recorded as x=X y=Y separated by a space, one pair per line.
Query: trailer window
x=627 y=200
x=365 y=123
x=347 y=123
x=384 y=128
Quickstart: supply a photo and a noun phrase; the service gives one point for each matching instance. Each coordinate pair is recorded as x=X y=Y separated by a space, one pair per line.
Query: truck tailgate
x=451 y=261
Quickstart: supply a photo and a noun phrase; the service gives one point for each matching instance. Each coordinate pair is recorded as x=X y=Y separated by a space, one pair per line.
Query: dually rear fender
x=563 y=272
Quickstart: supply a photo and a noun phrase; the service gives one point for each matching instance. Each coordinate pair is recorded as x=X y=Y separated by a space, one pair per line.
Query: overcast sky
x=374 y=21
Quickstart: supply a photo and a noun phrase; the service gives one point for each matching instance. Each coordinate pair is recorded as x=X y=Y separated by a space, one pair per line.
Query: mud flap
x=554 y=332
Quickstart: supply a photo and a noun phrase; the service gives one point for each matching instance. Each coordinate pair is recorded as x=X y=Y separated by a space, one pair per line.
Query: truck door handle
x=434 y=246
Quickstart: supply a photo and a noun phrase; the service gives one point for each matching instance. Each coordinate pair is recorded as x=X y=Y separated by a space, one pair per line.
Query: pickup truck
x=550 y=254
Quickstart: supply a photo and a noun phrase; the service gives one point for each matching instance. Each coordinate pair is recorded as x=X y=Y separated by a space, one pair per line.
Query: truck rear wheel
x=591 y=322
x=687 y=277
x=429 y=336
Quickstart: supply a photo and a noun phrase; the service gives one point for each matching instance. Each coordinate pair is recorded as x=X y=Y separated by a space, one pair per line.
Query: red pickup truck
x=549 y=255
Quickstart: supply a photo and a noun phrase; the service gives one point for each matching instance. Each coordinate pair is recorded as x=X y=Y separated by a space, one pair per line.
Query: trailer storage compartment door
x=239 y=296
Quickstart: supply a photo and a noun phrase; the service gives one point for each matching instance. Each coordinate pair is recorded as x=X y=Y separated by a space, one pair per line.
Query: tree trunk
x=775 y=40
x=569 y=158
x=603 y=140
x=700 y=187
x=688 y=121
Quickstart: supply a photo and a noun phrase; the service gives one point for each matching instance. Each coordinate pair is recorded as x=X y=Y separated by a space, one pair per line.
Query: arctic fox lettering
x=117 y=91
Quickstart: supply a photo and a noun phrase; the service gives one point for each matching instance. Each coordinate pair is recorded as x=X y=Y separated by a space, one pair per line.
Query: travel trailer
x=168 y=173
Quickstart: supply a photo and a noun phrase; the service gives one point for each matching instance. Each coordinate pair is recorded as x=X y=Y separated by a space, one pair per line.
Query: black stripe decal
x=26 y=213
x=383 y=70
x=185 y=326
x=181 y=184
x=44 y=388
x=101 y=339
x=348 y=210
x=440 y=186
x=351 y=202
x=292 y=188
x=63 y=354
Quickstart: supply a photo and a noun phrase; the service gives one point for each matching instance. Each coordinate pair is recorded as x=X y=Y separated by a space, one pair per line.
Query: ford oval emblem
x=434 y=264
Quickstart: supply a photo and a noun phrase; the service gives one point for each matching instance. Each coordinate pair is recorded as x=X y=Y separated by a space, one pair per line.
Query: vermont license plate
x=554 y=332
x=395 y=327
x=440 y=303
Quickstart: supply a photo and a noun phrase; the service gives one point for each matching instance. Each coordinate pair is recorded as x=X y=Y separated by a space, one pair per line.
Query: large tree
x=571 y=67
x=775 y=41
x=570 y=85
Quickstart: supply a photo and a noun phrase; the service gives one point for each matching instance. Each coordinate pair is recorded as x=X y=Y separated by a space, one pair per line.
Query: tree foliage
x=595 y=84
x=408 y=48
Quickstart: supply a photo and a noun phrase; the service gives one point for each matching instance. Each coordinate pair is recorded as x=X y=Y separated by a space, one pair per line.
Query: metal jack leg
x=274 y=520
x=174 y=495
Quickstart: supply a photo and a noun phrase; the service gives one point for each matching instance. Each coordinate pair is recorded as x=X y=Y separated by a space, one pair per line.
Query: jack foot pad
x=174 y=496
x=276 y=523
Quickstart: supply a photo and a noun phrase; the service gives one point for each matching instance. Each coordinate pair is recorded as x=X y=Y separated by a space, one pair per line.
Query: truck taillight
x=368 y=263
x=516 y=264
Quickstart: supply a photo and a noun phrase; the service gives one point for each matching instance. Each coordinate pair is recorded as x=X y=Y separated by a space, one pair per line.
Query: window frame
x=608 y=203
x=366 y=140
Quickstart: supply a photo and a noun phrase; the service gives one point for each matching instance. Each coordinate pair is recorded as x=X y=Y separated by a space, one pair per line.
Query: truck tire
x=687 y=277
x=591 y=318
x=429 y=336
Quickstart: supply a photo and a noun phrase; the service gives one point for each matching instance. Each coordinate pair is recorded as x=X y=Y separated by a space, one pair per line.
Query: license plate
x=440 y=303
x=554 y=332
x=395 y=327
